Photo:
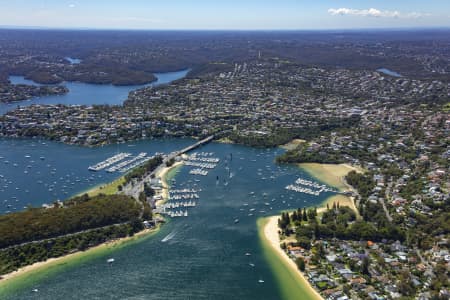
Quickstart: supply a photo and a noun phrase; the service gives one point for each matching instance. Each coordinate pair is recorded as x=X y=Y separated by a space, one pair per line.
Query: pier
x=137 y=188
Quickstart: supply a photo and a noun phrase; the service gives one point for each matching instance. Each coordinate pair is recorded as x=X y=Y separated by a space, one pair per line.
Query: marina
x=309 y=187
x=202 y=162
x=109 y=161
x=36 y=181
x=212 y=222
x=123 y=165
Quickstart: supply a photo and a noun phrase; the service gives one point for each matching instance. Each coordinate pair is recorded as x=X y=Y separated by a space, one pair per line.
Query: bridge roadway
x=135 y=189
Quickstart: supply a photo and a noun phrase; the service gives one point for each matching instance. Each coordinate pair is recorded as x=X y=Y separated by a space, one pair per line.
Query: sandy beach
x=293 y=144
x=162 y=174
x=270 y=235
x=333 y=175
x=30 y=270
x=54 y=262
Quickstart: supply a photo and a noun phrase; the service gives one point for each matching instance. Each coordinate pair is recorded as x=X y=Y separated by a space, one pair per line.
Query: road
x=64 y=235
x=134 y=189
x=387 y=196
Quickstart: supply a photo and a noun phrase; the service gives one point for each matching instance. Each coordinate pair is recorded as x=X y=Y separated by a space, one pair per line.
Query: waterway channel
x=214 y=253
x=88 y=94
x=206 y=255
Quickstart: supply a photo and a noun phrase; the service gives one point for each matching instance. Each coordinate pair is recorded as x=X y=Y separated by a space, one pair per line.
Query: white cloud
x=373 y=12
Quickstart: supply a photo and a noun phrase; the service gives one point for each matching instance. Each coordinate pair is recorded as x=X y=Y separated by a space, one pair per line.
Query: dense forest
x=40 y=223
x=13 y=258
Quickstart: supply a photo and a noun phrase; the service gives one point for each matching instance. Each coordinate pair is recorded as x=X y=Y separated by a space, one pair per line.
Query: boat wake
x=168 y=237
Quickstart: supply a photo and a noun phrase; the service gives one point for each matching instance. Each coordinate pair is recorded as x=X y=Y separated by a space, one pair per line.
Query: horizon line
x=400 y=28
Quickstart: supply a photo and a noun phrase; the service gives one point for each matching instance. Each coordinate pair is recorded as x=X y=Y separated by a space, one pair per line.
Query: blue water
x=57 y=171
x=205 y=258
x=74 y=61
x=389 y=72
x=88 y=94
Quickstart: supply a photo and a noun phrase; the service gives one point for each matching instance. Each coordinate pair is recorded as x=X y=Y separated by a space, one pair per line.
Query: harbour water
x=88 y=94
x=38 y=171
x=389 y=72
x=214 y=253
x=73 y=61
x=207 y=255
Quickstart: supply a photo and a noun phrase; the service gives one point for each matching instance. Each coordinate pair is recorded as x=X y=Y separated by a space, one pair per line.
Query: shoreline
x=13 y=278
x=10 y=280
x=294 y=284
x=333 y=175
x=163 y=176
x=329 y=174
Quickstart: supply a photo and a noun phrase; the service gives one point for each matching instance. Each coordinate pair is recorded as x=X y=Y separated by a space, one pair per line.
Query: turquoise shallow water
x=205 y=256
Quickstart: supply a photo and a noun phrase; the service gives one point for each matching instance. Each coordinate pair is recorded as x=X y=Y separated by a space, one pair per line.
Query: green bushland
x=281 y=136
x=76 y=214
x=77 y=224
x=302 y=155
x=13 y=258
x=140 y=172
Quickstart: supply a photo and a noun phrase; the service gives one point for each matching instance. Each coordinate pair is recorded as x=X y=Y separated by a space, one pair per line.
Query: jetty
x=135 y=189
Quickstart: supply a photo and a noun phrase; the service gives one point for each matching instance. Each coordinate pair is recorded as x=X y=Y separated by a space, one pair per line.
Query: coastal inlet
x=88 y=94
x=214 y=253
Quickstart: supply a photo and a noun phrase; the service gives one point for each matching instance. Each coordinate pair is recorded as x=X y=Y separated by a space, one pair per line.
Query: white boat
x=110 y=260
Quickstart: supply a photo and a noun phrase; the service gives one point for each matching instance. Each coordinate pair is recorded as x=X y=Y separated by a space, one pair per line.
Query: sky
x=225 y=14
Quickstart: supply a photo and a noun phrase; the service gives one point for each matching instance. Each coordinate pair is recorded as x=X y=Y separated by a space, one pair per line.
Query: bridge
x=135 y=189
x=192 y=147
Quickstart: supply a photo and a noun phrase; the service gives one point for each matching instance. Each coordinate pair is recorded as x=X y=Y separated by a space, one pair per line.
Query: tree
x=405 y=285
x=170 y=162
x=300 y=262
x=311 y=214
x=147 y=214
x=142 y=197
x=304 y=242
x=365 y=265
x=305 y=217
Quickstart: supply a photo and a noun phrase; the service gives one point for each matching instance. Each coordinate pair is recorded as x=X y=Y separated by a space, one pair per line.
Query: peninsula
x=99 y=219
